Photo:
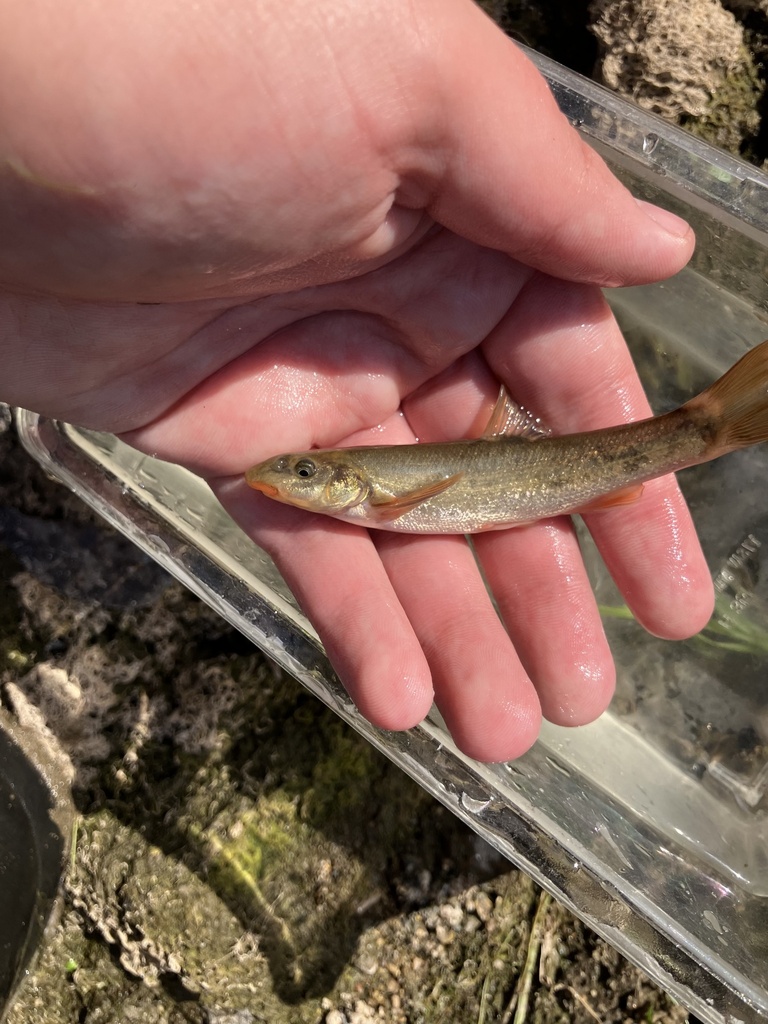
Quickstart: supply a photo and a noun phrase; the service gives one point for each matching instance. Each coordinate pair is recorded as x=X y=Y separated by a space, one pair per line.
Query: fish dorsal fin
x=509 y=419
x=624 y=496
x=388 y=509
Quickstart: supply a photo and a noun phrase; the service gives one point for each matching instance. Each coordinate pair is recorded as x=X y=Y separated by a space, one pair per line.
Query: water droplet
x=158 y=543
x=472 y=804
x=558 y=767
x=650 y=142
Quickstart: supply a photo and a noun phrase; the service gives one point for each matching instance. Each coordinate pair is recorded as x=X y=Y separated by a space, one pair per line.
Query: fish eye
x=305 y=468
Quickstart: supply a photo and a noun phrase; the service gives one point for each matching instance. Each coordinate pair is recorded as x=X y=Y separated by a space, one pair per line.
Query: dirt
x=241 y=855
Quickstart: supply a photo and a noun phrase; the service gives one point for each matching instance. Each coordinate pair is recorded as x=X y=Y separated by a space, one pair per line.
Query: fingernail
x=670 y=222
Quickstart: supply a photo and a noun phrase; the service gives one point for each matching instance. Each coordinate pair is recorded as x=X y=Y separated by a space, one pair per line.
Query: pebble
x=362 y=1013
x=430 y=915
x=367 y=964
x=452 y=915
x=483 y=906
x=471 y=924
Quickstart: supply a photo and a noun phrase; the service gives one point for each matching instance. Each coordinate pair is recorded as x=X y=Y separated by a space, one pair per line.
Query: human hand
x=265 y=227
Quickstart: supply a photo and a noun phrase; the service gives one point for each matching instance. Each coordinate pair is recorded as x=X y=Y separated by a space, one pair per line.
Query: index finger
x=562 y=354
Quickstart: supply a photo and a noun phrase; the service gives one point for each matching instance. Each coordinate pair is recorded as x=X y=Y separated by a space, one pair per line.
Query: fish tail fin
x=737 y=403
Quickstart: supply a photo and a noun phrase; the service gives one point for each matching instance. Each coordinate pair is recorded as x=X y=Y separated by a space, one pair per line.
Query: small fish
x=510 y=476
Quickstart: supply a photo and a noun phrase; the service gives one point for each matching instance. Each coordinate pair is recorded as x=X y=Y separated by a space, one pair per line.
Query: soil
x=241 y=855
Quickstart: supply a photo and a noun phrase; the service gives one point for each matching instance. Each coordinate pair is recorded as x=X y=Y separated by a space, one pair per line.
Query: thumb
x=514 y=175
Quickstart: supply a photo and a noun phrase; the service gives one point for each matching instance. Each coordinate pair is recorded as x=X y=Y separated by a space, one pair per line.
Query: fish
x=516 y=473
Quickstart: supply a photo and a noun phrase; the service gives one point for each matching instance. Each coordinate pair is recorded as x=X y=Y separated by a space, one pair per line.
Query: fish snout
x=261 y=485
x=255 y=478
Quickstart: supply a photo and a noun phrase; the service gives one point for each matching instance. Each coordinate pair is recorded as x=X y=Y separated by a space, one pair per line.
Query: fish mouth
x=269 y=489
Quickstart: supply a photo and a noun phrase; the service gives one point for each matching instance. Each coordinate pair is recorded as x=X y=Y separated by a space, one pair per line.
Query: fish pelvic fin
x=624 y=496
x=386 y=510
x=509 y=419
x=737 y=404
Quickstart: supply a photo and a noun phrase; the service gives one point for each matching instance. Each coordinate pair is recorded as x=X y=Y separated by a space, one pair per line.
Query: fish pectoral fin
x=387 y=509
x=625 y=496
x=509 y=419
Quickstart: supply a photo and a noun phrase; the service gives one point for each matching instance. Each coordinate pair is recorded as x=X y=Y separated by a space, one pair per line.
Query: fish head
x=318 y=481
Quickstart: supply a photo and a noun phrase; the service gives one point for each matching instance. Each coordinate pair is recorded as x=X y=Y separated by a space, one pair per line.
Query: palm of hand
x=413 y=349
x=355 y=317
